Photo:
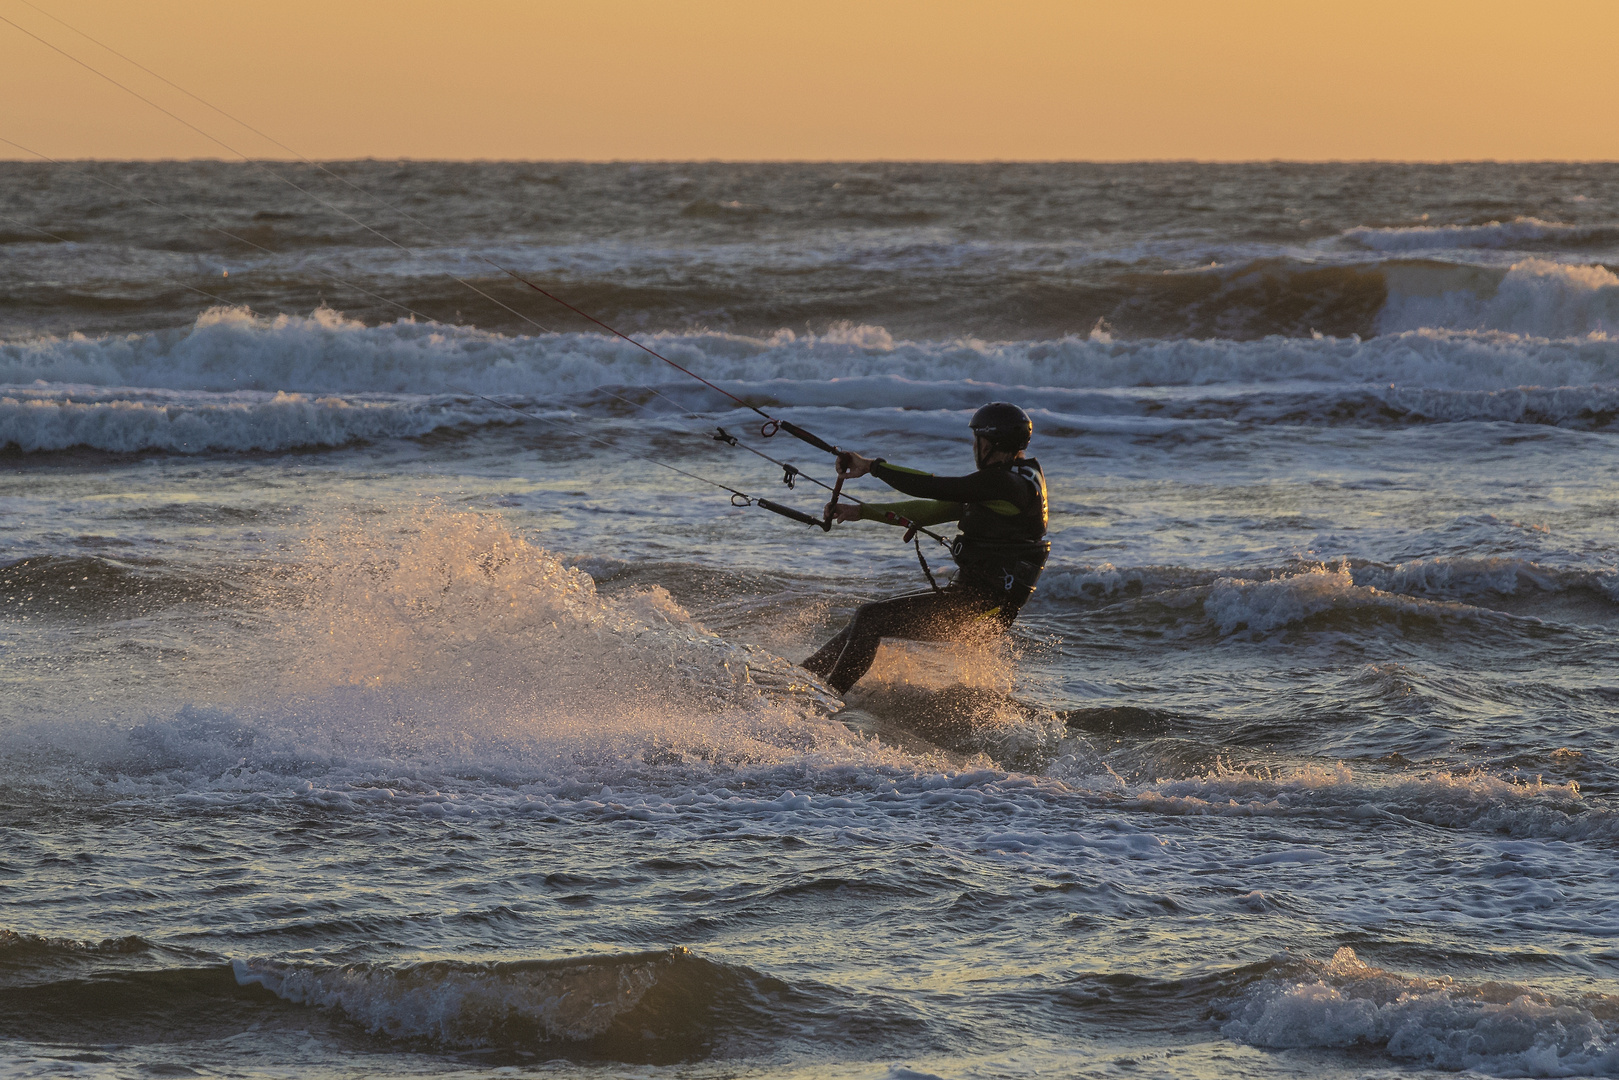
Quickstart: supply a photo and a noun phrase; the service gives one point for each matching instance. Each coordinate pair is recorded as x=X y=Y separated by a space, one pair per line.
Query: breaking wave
x=443 y=651
x=1264 y=599
x=234 y=382
x=1532 y=808
x=1420 y=597
x=652 y=1007
x=1499 y=1029
x=1239 y=605
x=1534 y=298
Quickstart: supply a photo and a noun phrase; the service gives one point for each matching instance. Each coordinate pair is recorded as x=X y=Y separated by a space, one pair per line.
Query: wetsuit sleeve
x=918 y=512
x=983 y=486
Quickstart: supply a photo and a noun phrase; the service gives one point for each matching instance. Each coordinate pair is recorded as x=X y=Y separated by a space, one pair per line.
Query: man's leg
x=929 y=616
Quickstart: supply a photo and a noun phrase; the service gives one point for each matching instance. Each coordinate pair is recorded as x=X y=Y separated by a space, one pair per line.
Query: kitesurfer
x=1000 y=550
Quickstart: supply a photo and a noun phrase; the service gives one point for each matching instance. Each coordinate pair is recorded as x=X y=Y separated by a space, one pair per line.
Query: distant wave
x=230 y=350
x=1533 y=298
x=235 y=382
x=1257 y=602
x=1316 y=599
x=1519 y=233
x=1463 y=800
x=190 y=423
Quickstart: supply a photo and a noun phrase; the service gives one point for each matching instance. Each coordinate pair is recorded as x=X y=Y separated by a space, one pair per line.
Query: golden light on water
x=837 y=79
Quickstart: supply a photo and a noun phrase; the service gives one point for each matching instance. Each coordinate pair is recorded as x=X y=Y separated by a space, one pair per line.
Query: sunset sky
x=832 y=79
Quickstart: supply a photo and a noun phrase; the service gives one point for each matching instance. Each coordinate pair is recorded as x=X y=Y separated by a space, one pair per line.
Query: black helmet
x=1006 y=426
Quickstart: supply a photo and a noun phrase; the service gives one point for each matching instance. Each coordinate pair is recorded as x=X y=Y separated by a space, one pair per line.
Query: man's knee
x=865 y=617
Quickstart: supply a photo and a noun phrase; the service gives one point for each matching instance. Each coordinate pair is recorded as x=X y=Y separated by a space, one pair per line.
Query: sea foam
x=1495 y=1029
x=441 y=650
x=1536 y=298
x=231 y=350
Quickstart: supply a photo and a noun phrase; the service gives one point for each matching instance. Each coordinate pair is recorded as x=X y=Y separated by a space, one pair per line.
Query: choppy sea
x=353 y=724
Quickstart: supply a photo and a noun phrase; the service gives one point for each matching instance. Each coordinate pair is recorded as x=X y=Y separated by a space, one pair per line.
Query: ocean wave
x=1264 y=599
x=1533 y=298
x=1292 y=298
x=45 y=421
x=229 y=351
x=662 y=1007
x=1580 y=407
x=35 y=421
x=89 y=586
x=1520 y=233
x=107 y=1004
x=1252 y=299
x=1324 y=592
x=1484 y=578
x=651 y=1007
x=1498 y=1029
x=35 y=949
x=1315 y=596
x=1466 y=801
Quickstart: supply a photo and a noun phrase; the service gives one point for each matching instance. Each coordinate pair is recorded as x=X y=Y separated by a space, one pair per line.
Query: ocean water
x=354 y=724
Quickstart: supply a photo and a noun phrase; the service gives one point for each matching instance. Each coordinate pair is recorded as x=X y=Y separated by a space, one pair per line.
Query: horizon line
x=292 y=159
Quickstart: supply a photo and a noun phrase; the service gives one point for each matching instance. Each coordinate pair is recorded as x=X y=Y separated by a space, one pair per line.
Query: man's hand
x=851 y=465
x=842 y=512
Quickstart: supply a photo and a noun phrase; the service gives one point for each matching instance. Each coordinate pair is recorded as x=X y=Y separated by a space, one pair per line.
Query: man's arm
x=916 y=512
x=983 y=486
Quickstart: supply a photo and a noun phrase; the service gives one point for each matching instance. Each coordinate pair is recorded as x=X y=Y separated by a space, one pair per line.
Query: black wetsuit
x=1001 y=550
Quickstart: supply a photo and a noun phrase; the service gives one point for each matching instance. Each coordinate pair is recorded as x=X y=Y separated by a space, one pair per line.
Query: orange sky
x=830 y=79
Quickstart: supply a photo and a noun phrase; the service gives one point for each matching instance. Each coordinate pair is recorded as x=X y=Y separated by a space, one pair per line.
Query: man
x=1001 y=548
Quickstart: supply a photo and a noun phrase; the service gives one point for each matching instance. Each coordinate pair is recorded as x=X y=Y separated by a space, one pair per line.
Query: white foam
x=436 y=661
x=1104 y=580
x=1536 y=298
x=1260 y=607
x=857 y=367
x=1494 y=1029
x=1476 y=801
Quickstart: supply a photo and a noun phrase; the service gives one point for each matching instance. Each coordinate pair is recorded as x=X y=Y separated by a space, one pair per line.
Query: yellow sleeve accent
x=916 y=511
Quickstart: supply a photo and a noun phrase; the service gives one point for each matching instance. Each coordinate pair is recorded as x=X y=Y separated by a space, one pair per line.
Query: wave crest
x=1535 y=298
x=197 y=423
x=1494 y=1028
x=658 y=1007
x=1520 y=232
